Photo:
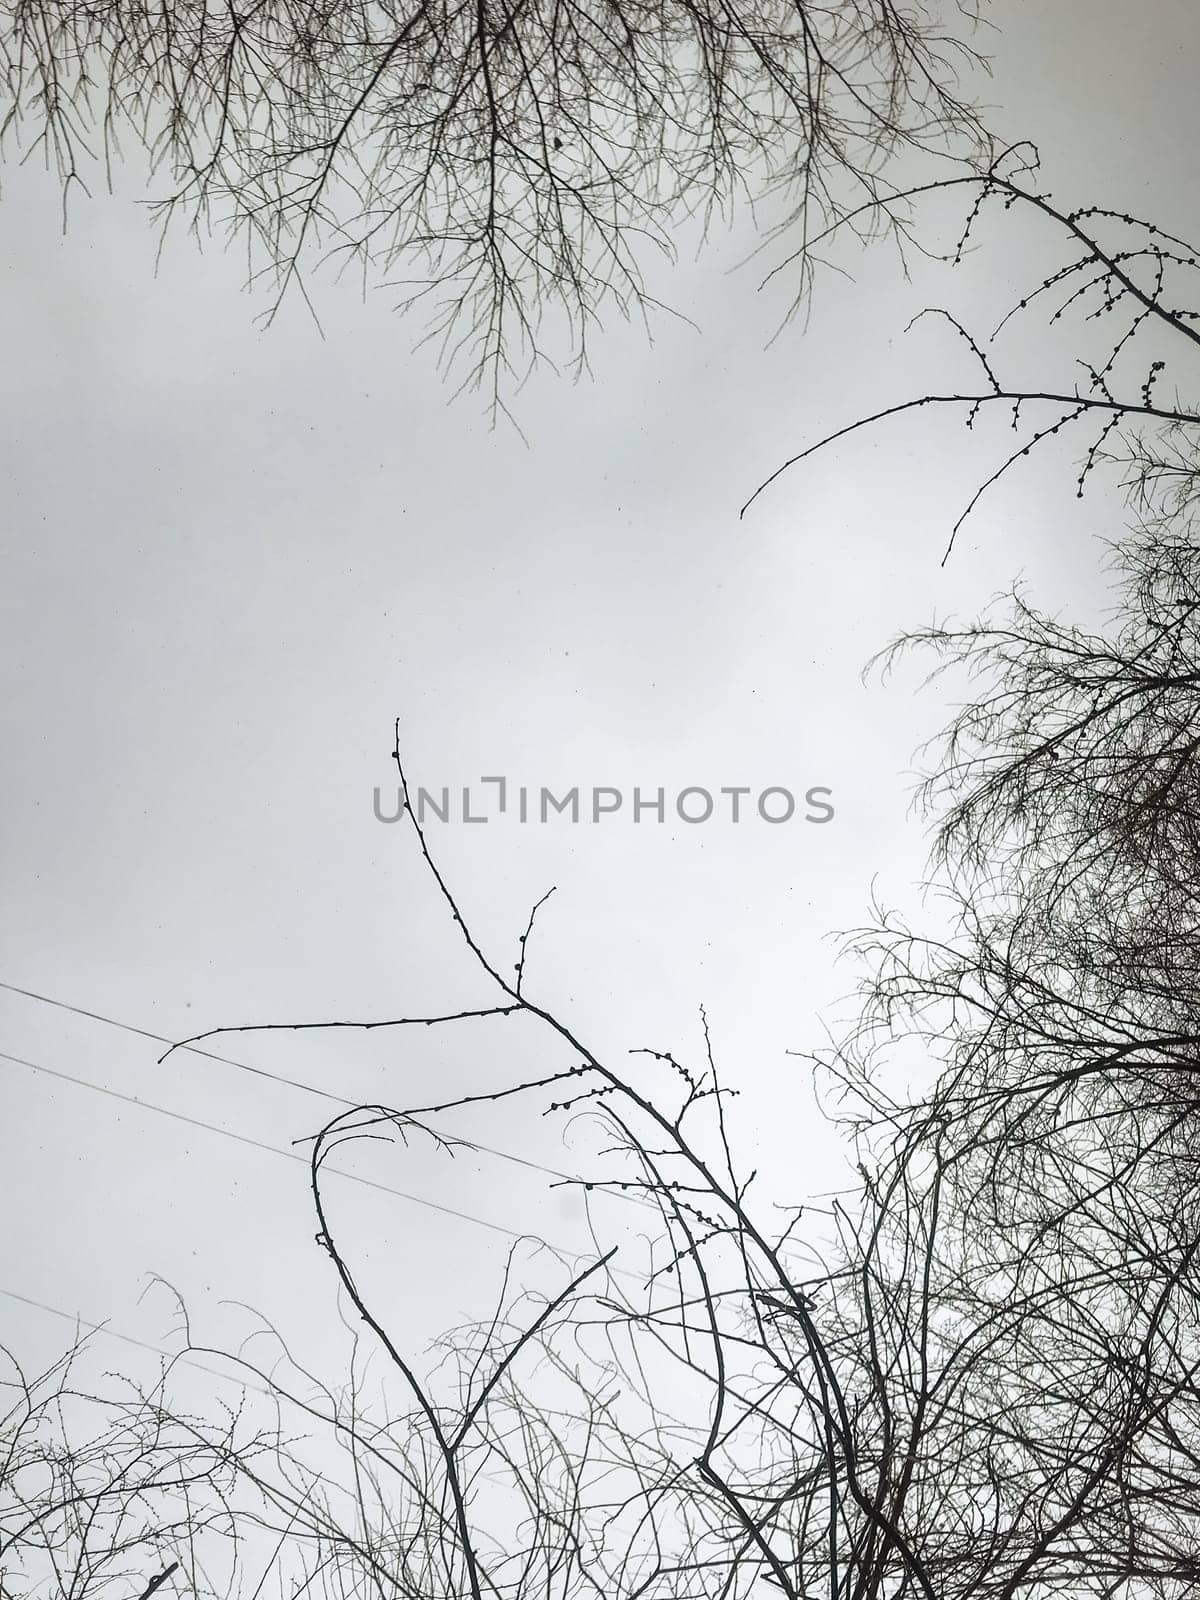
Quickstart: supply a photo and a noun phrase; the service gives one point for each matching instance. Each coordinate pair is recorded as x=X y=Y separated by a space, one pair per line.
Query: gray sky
x=232 y=557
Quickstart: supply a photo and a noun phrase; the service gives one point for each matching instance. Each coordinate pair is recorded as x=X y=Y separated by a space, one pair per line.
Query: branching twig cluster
x=501 y=164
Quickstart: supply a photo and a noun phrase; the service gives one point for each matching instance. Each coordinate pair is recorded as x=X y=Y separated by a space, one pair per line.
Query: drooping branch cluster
x=109 y=1492
x=1124 y=287
x=495 y=162
x=1063 y=1011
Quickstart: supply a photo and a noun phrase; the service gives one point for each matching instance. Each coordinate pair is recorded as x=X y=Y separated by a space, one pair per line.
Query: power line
x=270 y=1149
x=209 y=1127
x=291 y=1155
x=259 y=1072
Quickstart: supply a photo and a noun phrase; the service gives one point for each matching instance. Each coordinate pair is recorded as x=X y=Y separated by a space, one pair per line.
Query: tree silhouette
x=986 y=1381
x=501 y=167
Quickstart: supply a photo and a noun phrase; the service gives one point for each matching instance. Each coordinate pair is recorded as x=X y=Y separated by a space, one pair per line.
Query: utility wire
x=291 y=1155
x=258 y=1144
x=257 y=1072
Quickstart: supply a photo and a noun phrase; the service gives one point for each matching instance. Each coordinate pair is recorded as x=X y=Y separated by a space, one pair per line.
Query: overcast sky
x=232 y=557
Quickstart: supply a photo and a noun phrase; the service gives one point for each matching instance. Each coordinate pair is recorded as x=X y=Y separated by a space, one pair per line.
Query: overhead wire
x=257 y=1072
x=259 y=1144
